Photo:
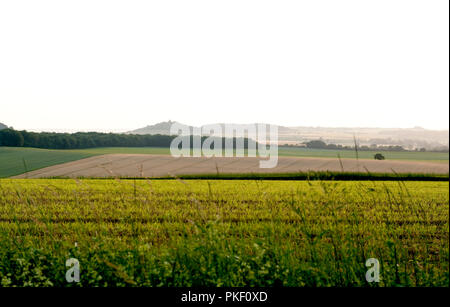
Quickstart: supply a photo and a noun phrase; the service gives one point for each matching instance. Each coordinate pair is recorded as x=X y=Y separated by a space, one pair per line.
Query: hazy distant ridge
x=159 y=128
x=416 y=137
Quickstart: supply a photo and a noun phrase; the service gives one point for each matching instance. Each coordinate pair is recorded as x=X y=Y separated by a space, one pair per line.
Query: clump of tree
x=379 y=156
x=319 y=144
x=10 y=137
x=80 y=140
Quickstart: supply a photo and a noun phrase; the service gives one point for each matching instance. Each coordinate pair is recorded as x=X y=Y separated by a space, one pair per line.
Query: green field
x=12 y=158
x=17 y=160
x=223 y=233
x=350 y=154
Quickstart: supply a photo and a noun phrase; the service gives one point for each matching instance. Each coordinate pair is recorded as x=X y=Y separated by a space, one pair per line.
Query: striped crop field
x=223 y=233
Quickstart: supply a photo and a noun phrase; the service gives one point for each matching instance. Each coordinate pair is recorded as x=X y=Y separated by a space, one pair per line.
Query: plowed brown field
x=135 y=165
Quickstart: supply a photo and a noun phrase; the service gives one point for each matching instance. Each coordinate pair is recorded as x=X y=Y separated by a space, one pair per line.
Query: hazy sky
x=119 y=65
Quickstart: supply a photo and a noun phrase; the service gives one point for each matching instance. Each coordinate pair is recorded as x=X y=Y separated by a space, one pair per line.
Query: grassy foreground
x=223 y=233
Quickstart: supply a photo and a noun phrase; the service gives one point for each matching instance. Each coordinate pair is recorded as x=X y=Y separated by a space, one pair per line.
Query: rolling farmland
x=224 y=152
x=291 y=152
x=223 y=233
x=15 y=160
x=132 y=165
x=218 y=232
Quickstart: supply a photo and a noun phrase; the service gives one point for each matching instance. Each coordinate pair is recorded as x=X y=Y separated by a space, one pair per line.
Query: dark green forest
x=82 y=140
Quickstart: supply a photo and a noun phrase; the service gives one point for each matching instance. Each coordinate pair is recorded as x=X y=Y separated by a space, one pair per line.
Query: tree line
x=82 y=140
x=319 y=144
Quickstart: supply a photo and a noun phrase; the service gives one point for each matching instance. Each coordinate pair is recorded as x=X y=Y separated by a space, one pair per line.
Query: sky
x=121 y=65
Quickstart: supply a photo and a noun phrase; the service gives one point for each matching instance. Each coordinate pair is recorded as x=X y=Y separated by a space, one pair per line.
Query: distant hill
x=3 y=126
x=409 y=138
x=164 y=128
x=159 y=128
